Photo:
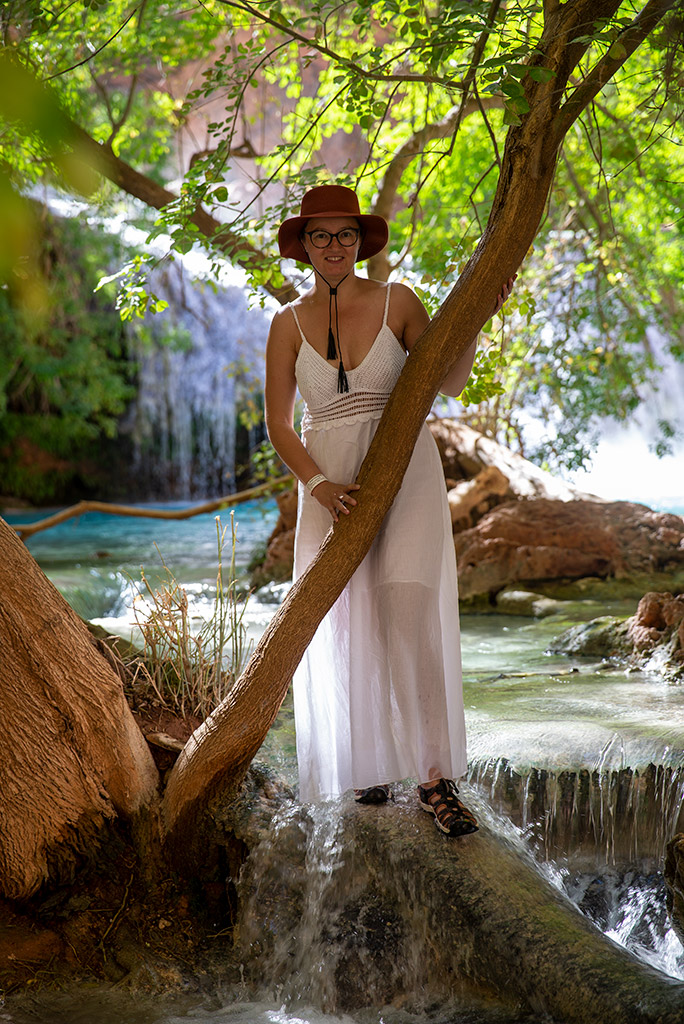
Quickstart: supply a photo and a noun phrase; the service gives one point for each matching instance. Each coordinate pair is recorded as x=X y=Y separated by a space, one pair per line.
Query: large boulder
x=465 y=453
x=657 y=630
x=541 y=539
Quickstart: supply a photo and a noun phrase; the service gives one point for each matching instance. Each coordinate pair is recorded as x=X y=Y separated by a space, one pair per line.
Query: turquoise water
x=539 y=709
x=95 y=540
x=95 y=560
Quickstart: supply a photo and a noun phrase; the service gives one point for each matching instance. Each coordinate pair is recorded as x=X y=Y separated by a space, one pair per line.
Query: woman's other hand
x=506 y=290
x=336 y=498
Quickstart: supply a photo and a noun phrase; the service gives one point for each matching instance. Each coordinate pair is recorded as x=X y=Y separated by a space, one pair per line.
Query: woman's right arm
x=279 y=395
x=280 y=392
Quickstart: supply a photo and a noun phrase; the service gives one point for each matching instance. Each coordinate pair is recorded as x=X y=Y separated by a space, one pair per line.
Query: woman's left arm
x=417 y=319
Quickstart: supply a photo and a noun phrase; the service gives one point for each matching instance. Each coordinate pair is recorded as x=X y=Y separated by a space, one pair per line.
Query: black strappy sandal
x=373 y=795
x=451 y=816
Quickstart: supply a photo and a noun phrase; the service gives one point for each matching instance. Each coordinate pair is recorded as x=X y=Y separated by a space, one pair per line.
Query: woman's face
x=334 y=260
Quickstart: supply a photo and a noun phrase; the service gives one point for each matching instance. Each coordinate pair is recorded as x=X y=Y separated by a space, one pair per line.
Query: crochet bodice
x=370 y=383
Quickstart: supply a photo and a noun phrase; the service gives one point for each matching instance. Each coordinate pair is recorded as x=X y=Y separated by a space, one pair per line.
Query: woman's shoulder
x=284 y=325
x=398 y=292
x=403 y=293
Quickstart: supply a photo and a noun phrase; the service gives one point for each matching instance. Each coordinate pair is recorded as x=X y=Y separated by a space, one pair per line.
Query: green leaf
x=618 y=51
x=510 y=117
x=541 y=74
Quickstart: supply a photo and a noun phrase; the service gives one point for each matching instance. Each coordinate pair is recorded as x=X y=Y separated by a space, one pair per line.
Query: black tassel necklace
x=334 y=350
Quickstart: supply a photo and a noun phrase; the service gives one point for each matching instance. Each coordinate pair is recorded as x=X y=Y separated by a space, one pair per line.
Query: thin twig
x=379 y=73
x=116 y=917
x=90 y=56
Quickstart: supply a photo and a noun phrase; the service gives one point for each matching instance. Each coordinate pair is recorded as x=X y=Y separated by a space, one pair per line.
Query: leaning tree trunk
x=71 y=754
x=218 y=754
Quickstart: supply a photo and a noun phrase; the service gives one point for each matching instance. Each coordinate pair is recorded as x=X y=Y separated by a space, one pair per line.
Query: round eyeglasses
x=321 y=239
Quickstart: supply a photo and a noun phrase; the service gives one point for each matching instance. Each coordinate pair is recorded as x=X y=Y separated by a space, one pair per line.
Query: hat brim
x=374 y=234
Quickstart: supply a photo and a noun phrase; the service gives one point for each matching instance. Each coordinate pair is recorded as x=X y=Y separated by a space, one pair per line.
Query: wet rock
x=651 y=640
x=588 y=816
x=525 y=602
x=248 y=817
x=591 y=589
x=656 y=633
x=541 y=539
x=348 y=906
x=603 y=637
x=674 y=880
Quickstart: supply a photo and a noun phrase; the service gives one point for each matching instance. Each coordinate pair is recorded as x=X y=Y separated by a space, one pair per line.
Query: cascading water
x=290 y=957
x=318 y=928
x=600 y=837
x=589 y=817
x=183 y=421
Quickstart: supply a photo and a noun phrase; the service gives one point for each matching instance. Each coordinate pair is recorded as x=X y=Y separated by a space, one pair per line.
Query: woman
x=378 y=694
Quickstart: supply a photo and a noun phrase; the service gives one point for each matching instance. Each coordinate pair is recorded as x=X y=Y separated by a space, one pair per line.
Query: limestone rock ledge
x=541 y=539
x=386 y=909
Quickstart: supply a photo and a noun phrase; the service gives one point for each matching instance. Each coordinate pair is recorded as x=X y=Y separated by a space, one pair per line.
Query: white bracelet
x=315 y=481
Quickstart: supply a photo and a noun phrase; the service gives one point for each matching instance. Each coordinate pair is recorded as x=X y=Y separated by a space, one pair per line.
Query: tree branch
x=86 y=152
x=118 y=123
x=466 y=86
x=25 y=530
x=378 y=266
x=326 y=51
x=624 y=46
x=94 y=53
x=156 y=196
x=217 y=755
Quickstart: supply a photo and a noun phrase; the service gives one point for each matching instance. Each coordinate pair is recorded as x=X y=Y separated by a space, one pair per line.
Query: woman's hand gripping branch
x=337 y=498
x=506 y=290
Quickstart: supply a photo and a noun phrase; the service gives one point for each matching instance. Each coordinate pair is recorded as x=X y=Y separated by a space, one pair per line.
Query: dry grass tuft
x=190 y=667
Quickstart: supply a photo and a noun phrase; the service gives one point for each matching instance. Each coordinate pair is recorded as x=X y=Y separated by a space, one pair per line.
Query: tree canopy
x=218 y=115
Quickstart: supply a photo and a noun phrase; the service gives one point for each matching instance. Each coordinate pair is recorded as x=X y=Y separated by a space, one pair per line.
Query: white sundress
x=378 y=694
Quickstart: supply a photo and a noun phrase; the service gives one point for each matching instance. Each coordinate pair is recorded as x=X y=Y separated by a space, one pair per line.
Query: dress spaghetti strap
x=388 y=288
x=299 y=326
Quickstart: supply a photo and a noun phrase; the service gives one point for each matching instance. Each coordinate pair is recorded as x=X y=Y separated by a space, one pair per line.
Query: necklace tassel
x=334 y=350
x=332 y=347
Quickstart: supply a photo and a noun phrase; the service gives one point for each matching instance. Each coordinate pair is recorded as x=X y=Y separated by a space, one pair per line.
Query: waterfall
x=600 y=838
x=313 y=929
x=590 y=818
x=196 y=361
x=343 y=908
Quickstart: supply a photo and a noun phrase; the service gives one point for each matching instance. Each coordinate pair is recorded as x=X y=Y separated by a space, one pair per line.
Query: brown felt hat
x=332 y=201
